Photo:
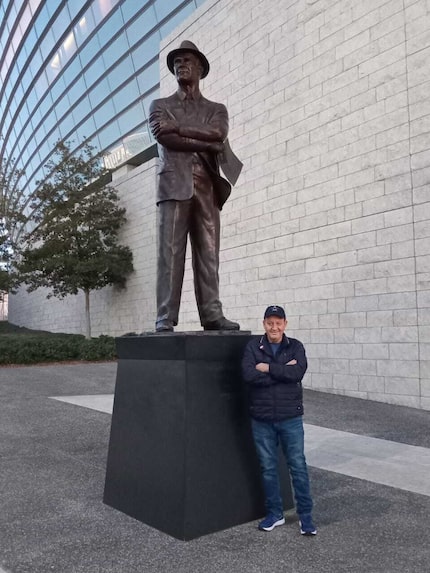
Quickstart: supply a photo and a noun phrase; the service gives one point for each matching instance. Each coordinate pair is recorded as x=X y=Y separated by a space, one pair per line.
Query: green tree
x=12 y=220
x=74 y=244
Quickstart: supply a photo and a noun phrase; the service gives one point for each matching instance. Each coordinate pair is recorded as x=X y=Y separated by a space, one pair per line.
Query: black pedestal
x=181 y=456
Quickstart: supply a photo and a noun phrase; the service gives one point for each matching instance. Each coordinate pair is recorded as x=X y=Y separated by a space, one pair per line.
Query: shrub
x=31 y=349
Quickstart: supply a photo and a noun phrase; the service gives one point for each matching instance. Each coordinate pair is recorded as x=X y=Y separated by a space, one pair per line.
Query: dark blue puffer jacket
x=278 y=394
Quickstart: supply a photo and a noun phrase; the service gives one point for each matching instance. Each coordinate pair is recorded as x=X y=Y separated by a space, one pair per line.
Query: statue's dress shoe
x=164 y=326
x=221 y=324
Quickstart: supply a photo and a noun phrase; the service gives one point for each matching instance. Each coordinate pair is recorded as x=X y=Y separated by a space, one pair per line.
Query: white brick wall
x=329 y=111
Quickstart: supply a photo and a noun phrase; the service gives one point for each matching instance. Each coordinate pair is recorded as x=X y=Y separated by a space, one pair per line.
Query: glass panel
x=31 y=39
x=101 y=8
x=34 y=5
x=129 y=9
x=19 y=93
x=149 y=77
x=16 y=39
x=126 y=95
x=45 y=104
x=58 y=27
x=95 y=70
x=12 y=107
x=13 y=77
x=52 y=6
x=84 y=27
x=74 y=69
x=114 y=51
x=47 y=44
x=99 y=92
x=137 y=141
x=41 y=21
x=109 y=28
x=146 y=101
x=36 y=62
x=58 y=88
x=120 y=73
x=144 y=23
x=21 y=60
x=81 y=110
x=176 y=20
x=104 y=114
x=66 y=126
x=62 y=106
x=89 y=51
x=74 y=7
x=109 y=135
x=37 y=117
x=76 y=91
x=85 y=131
x=62 y=56
x=50 y=121
x=164 y=8
x=147 y=50
x=12 y=12
x=133 y=116
x=41 y=85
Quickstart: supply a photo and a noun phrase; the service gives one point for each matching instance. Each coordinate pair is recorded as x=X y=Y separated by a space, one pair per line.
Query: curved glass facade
x=79 y=69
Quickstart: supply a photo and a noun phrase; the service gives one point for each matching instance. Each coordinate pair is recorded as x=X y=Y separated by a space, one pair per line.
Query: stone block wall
x=329 y=111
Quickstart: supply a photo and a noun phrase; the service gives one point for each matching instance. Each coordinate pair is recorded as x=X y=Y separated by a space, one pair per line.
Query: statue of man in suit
x=190 y=131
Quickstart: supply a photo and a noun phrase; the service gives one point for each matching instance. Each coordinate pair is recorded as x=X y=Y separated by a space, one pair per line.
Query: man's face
x=187 y=68
x=275 y=328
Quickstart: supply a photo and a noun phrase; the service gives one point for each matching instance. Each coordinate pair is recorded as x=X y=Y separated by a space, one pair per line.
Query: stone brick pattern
x=329 y=111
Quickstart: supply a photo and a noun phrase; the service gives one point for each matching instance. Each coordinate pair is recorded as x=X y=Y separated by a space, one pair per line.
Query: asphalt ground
x=52 y=471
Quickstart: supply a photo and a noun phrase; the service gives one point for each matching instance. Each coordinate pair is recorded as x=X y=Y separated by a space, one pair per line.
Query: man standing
x=273 y=367
x=190 y=131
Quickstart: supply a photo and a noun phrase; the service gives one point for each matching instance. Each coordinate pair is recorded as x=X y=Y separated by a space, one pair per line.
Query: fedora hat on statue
x=187 y=46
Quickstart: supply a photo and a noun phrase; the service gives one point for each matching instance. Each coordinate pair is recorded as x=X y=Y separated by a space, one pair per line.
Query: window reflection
x=102 y=8
x=84 y=27
x=129 y=146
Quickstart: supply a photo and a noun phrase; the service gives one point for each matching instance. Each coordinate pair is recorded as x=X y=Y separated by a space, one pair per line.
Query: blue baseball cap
x=275 y=310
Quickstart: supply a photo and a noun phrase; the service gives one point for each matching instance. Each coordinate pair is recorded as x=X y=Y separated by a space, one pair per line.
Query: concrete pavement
x=52 y=466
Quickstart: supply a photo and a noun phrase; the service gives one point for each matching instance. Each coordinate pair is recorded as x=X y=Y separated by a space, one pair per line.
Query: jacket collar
x=265 y=344
x=182 y=95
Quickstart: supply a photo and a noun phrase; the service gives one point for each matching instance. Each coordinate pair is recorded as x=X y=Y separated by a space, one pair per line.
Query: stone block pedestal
x=181 y=456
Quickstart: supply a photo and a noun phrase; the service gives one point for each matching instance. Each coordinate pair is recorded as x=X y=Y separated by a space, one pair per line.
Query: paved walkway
x=369 y=466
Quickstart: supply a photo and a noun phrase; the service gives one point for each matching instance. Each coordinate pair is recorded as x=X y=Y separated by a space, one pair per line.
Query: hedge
x=31 y=349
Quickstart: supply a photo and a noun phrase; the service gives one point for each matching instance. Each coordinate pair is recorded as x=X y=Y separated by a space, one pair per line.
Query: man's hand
x=262 y=367
x=164 y=127
x=291 y=362
x=217 y=146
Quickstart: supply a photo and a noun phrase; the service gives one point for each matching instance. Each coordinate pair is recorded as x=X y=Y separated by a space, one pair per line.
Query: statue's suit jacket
x=176 y=153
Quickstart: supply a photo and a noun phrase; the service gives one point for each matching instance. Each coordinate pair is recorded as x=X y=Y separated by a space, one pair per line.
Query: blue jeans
x=290 y=434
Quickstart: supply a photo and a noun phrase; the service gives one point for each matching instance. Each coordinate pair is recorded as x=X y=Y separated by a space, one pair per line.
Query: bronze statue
x=191 y=132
